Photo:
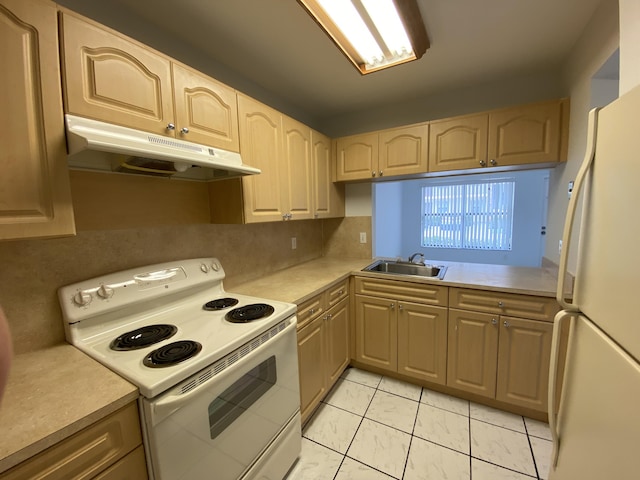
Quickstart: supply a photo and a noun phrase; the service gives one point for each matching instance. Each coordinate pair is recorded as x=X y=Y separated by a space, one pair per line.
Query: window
x=472 y=215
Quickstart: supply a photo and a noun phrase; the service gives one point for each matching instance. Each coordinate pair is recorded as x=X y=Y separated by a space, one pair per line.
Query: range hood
x=95 y=145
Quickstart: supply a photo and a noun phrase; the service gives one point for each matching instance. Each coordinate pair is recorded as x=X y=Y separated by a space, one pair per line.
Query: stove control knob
x=105 y=292
x=82 y=299
x=215 y=266
x=204 y=268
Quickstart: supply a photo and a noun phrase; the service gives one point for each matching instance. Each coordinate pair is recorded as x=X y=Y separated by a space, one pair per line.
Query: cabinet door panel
x=357 y=157
x=208 y=109
x=113 y=79
x=35 y=198
x=297 y=174
x=459 y=143
x=261 y=147
x=328 y=197
x=473 y=352
x=337 y=328
x=376 y=332
x=403 y=151
x=527 y=134
x=310 y=358
x=422 y=342
x=523 y=362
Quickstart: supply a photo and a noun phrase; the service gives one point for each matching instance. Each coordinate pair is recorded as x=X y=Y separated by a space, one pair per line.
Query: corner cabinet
x=500 y=344
x=295 y=183
x=328 y=197
x=393 y=152
x=323 y=344
x=112 y=78
x=402 y=327
x=35 y=197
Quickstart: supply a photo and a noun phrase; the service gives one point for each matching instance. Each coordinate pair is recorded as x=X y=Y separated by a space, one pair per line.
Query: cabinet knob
x=380 y=173
x=329 y=316
x=311 y=311
x=171 y=126
x=500 y=304
x=494 y=321
x=184 y=130
x=483 y=163
x=493 y=161
x=506 y=324
x=392 y=306
x=400 y=307
x=373 y=173
x=341 y=291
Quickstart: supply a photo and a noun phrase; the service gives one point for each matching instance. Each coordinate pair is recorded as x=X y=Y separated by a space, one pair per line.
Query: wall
x=598 y=42
x=629 y=45
x=398 y=212
x=32 y=270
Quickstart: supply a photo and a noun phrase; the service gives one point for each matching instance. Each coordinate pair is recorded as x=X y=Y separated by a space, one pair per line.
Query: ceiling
x=276 y=47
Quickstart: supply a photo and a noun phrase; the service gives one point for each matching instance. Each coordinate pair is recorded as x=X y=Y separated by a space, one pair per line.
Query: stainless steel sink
x=406 y=268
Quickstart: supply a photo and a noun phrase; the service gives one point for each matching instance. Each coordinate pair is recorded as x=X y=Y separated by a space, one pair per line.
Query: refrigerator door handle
x=571 y=209
x=558 y=321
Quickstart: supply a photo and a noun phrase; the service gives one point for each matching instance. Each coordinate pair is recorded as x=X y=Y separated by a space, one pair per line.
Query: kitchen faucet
x=417 y=254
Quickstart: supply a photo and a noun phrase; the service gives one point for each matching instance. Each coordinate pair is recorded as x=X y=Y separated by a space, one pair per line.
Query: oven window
x=231 y=403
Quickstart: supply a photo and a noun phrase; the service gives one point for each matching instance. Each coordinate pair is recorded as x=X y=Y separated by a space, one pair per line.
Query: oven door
x=220 y=428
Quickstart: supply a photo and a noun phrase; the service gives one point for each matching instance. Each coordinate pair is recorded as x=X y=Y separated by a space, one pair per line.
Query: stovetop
x=99 y=311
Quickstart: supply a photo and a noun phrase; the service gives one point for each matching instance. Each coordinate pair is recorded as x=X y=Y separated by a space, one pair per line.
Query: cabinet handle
x=329 y=316
x=184 y=130
x=494 y=321
x=493 y=161
x=482 y=163
x=500 y=304
x=311 y=311
x=373 y=173
x=380 y=173
x=506 y=324
x=171 y=126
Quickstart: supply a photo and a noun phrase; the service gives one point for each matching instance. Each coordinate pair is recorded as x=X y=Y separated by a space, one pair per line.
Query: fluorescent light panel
x=372 y=33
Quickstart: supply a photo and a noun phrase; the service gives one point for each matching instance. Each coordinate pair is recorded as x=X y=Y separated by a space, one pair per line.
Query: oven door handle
x=172 y=402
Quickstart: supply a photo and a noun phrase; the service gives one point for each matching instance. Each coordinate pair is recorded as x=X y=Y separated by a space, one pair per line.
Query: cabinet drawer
x=415 y=292
x=310 y=309
x=337 y=293
x=526 y=306
x=131 y=467
x=87 y=453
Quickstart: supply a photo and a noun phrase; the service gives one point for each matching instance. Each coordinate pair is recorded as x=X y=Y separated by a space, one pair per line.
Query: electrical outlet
x=294 y=243
x=559 y=247
x=363 y=237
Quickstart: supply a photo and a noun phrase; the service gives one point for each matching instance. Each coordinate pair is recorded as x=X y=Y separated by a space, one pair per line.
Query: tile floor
x=371 y=427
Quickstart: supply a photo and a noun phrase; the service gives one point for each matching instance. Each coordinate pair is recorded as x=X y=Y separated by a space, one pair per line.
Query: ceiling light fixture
x=373 y=34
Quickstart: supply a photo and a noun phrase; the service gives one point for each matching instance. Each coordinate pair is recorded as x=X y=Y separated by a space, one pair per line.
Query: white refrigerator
x=597 y=427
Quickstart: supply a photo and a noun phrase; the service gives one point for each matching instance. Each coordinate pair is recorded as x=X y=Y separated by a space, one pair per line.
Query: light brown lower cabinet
x=500 y=357
x=323 y=345
x=108 y=449
x=397 y=335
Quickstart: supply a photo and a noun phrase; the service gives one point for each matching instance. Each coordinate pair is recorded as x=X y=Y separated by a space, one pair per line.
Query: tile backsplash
x=32 y=270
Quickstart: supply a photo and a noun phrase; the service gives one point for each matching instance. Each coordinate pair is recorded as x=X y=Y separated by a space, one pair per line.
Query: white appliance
x=217 y=372
x=95 y=145
x=597 y=428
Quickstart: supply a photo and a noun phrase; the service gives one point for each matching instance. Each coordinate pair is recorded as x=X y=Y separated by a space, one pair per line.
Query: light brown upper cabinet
x=281 y=148
x=35 y=198
x=397 y=151
x=112 y=78
x=328 y=197
x=527 y=134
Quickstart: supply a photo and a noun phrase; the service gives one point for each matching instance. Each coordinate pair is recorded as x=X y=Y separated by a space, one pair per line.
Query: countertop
x=298 y=283
x=52 y=394
x=57 y=392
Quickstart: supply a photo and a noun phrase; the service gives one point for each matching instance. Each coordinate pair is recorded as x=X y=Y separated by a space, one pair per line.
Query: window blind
x=475 y=215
